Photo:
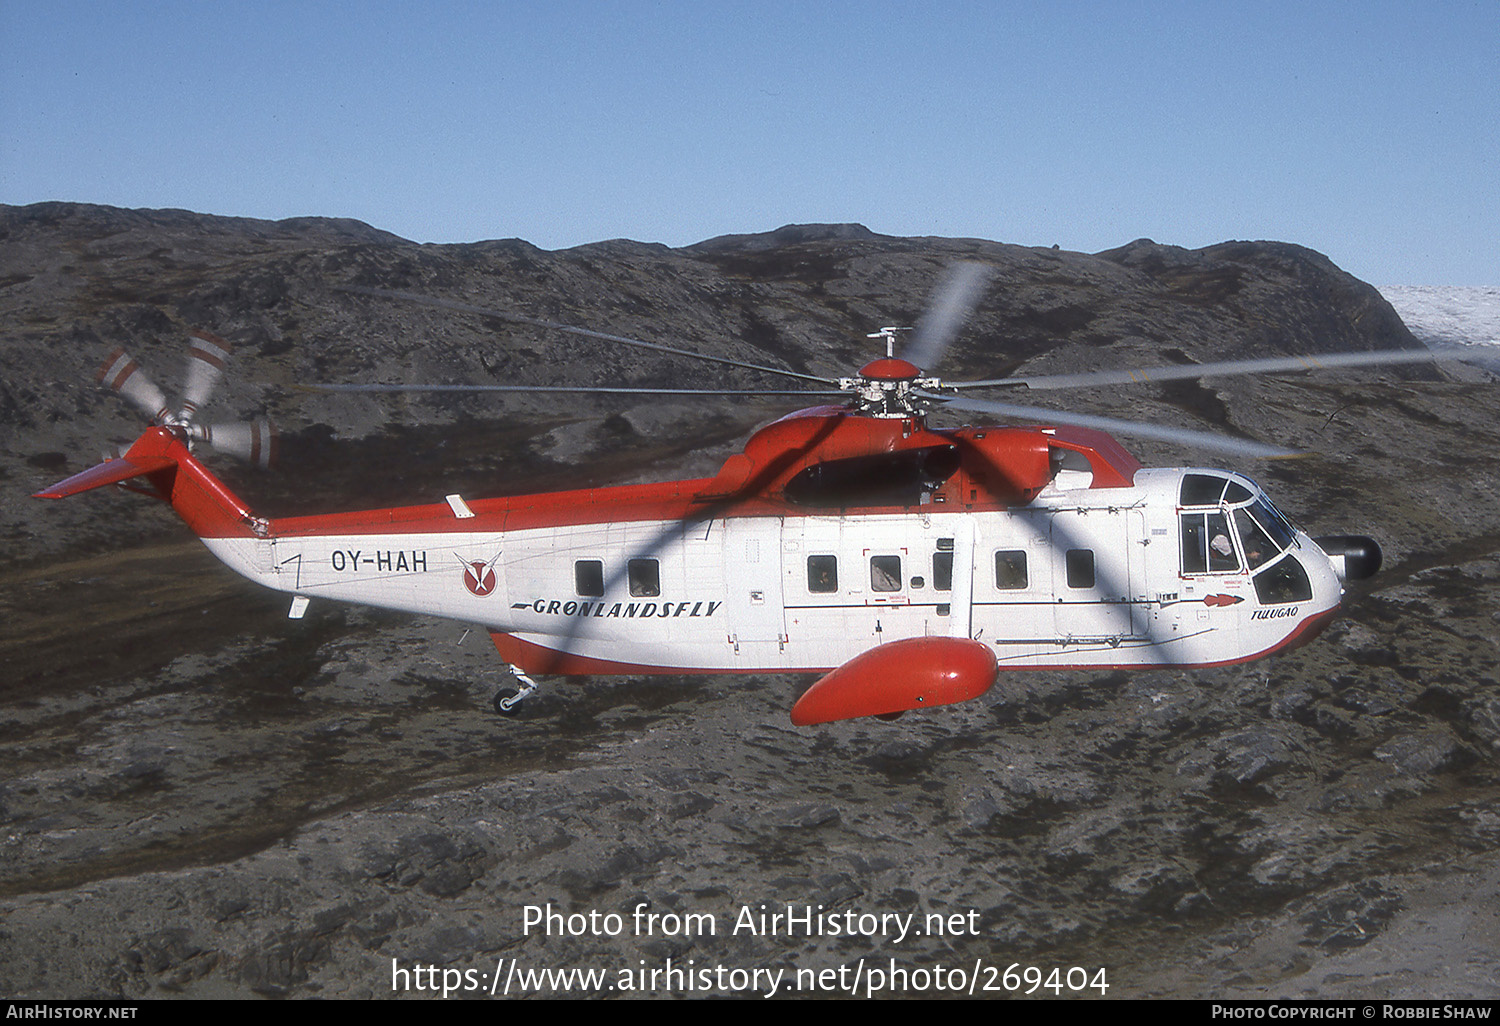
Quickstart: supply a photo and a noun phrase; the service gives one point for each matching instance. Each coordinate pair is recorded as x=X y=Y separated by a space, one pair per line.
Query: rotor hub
x=890 y=368
x=887 y=388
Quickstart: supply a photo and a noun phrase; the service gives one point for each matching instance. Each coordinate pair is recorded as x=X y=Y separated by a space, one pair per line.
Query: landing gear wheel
x=508 y=700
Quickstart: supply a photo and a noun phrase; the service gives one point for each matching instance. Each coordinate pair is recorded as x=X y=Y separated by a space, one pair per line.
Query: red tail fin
x=175 y=476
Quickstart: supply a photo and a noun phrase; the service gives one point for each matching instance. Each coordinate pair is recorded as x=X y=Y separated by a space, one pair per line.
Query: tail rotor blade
x=254 y=441
x=950 y=306
x=124 y=375
x=207 y=355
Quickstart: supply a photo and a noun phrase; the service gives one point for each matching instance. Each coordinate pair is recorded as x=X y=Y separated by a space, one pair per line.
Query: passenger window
x=942 y=565
x=942 y=571
x=588 y=578
x=645 y=578
x=1010 y=570
x=1080 y=567
x=822 y=574
x=885 y=573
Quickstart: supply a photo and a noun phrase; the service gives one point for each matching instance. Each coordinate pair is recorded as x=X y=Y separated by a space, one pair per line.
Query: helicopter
x=906 y=566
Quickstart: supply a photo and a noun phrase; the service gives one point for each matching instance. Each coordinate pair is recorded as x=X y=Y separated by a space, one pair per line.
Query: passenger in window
x=1221 y=557
x=1010 y=570
x=822 y=574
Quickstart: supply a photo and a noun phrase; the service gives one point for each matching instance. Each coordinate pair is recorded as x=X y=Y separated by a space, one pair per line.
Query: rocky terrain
x=200 y=797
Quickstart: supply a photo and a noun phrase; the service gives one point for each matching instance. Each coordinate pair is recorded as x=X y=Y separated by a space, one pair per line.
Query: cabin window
x=1284 y=582
x=904 y=478
x=588 y=578
x=645 y=578
x=1080 y=568
x=1010 y=570
x=1206 y=544
x=942 y=571
x=822 y=574
x=885 y=573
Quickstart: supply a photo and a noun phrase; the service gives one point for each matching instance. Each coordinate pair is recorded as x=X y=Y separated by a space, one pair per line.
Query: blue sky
x=1367 y=130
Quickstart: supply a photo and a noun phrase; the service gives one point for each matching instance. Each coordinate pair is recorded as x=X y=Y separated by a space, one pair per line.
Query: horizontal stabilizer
x=107 y=473
x=917 y=673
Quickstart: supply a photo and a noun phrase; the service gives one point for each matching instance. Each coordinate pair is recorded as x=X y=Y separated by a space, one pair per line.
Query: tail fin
x=175 y=476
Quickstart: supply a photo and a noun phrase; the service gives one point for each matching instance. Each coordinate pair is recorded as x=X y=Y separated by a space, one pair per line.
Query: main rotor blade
x=1130 y=428
x=588 y=389
x=951 y=304
x=515 y=318
x=1178 y=372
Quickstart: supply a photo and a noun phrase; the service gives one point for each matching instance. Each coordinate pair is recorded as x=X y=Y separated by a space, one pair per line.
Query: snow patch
x=1448 y=314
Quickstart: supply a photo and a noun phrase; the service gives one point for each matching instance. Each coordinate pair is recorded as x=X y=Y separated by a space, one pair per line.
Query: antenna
x=889 y=334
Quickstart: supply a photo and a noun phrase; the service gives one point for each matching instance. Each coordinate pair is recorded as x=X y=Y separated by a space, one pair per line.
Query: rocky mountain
x=201 y=797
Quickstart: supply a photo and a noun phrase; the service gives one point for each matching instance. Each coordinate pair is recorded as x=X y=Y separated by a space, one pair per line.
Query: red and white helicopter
x=906 y=565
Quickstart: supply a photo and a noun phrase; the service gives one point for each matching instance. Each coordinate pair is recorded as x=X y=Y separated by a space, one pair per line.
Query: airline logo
x=479 y=576
x=633 y=610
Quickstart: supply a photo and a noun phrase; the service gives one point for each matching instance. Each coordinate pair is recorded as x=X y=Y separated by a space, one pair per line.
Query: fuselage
x=1177 y=568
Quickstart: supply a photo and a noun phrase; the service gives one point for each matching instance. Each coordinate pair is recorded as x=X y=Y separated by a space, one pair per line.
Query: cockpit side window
x=1207 y=547
x=1194 y=544
x=1221 y=554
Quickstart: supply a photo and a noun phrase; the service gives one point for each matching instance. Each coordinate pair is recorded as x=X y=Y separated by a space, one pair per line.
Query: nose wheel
x=508 y=700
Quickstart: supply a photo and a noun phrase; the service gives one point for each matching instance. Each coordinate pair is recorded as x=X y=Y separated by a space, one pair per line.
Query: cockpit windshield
x=1256 y=543
x=1270 y=520
x=1259 y=527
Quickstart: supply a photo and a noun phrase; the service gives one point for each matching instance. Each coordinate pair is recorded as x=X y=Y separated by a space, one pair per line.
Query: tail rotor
x=252 y=441
x=122 y=374
x=207 y=355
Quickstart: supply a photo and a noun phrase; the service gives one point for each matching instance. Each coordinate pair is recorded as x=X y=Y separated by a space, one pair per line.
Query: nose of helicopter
x=1354 y=556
